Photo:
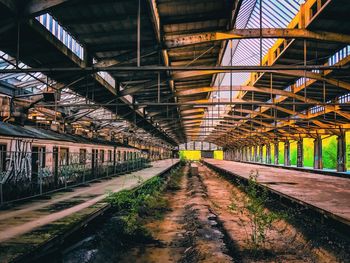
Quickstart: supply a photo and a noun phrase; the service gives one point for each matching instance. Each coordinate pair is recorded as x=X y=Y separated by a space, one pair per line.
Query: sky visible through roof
x=246 y=52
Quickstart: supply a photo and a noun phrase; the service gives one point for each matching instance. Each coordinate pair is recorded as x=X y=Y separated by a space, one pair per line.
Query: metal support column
x=139 y=34
x=256 y=153
x=318 y=164
x=300 y=154
x=276 y=161
x=268 y=153
x=286 y=153
x=341 y=153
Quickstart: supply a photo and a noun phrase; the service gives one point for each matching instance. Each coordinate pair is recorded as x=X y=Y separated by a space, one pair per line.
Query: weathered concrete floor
x=326 y=193
x=28 y=225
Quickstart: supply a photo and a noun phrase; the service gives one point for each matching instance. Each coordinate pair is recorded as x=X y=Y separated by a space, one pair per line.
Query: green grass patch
x=145 y=202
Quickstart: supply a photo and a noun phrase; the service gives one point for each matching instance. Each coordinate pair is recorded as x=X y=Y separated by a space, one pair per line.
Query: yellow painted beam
x=285 y=33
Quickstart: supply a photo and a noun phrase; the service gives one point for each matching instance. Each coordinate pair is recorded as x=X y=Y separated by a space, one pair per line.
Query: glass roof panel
x=275 y=14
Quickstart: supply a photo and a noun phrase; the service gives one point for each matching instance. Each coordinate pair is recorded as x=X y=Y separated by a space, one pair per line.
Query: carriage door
x=2 y=157
x=94 y=161
x=55 y=164
x=38 y=162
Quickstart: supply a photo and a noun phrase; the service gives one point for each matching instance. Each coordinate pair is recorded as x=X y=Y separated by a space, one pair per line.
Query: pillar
x=318 y=153
x=268 y=153
x=286 y=153
x=276 y=153
x=300 y=154
x=255 y=153
x=261 y=153
x=341 y=153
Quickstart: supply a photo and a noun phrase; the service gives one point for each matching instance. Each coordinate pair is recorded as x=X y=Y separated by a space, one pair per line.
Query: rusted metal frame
x=301 y=115
x=201 y=104
x=294 y=136
x=57 y=87
x=74 y=58
x=293 y=105
x=175 y=41
x=310 y=132
x=193 y=70
x=303 y=25
x=245 y=88
x=315 y=78
x=233 y=17
x=284 y=123
x=258 y=131
x=155 y=19
x=109 y=62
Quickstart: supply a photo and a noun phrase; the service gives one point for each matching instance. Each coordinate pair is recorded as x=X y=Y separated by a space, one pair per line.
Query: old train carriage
x=44 y=159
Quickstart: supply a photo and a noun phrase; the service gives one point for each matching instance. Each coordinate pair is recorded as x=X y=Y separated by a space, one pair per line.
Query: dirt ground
x=200 y=227
x=188 y=233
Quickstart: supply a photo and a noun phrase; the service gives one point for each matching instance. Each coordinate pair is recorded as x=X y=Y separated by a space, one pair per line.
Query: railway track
x=201 y=226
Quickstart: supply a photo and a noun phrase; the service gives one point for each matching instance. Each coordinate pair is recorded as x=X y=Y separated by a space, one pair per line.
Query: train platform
x=328 y=195
x=28 y=226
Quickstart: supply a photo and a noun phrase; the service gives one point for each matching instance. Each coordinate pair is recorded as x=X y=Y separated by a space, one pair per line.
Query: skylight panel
x=61 y=34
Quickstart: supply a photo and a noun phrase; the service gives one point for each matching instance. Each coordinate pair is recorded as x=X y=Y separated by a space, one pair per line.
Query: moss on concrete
x=28 y=242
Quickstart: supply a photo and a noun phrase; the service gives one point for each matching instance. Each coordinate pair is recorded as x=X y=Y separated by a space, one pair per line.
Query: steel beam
x=190 y=92
x=38 y=7
x=185 y=40
x=194 y=69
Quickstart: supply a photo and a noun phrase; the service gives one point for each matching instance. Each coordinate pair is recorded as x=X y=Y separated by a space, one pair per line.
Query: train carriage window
x=102 y=156
x=64 y=156
x=109 y=155
x=2 y=157
x=119 y=157
x=82 y=156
